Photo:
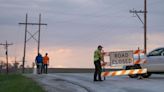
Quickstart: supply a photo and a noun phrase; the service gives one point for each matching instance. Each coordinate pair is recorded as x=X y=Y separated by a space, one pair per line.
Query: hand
x=103 y=63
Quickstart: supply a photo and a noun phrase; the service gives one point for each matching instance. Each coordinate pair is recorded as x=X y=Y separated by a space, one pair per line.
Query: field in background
x=60 y=70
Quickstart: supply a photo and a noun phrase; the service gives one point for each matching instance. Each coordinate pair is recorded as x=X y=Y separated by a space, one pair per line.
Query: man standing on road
x=39 y=61
x=45 y=62
x=98 y=57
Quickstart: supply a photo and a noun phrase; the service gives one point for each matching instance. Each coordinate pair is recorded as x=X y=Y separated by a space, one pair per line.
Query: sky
x=76 y=27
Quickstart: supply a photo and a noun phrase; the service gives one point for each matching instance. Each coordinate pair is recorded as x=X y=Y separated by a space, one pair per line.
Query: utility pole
x=31 y=36
x=145 y=26
x=39 y=32
x=6 y=47
x=143 y=22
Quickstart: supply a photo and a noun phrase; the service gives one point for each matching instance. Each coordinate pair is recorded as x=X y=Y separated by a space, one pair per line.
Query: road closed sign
x=121 y=58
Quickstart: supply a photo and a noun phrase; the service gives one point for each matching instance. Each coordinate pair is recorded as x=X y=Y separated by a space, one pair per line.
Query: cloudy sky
x=76 y=27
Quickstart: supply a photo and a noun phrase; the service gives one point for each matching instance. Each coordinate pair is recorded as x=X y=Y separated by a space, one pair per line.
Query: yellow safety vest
x=98 y=55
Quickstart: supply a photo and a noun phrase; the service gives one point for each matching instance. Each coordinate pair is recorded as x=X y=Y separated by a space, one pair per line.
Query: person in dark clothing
x=39 y=62
x=98 y=57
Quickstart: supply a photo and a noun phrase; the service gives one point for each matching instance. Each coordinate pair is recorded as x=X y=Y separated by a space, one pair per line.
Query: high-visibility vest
x=98 y=55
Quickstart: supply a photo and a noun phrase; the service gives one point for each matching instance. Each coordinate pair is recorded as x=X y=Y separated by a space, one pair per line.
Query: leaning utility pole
x=31 y=36
x=143 y=22
x=6 y=47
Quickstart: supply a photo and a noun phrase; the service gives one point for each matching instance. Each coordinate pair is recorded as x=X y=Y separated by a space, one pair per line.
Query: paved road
x=83 y=82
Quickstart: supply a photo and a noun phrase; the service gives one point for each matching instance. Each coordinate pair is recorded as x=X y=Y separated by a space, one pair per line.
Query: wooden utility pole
x=145 y=26
x=39 y=32
x=143 y=22
x=31 y=36
x=6 y=47
x=25 y=40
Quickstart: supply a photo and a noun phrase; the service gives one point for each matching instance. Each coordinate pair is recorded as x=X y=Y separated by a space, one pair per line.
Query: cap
x=100 y=46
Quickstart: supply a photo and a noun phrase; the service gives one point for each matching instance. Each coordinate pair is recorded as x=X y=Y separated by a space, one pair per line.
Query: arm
x=48 y=61
x=102 y=55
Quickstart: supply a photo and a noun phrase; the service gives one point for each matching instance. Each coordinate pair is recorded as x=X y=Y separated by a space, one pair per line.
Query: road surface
x=83 y=82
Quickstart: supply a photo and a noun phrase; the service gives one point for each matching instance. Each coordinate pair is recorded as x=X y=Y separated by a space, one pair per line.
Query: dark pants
x=45 y=67
x=98 y=70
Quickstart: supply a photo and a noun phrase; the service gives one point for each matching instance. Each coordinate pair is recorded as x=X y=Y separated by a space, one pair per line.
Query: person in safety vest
x=98 y=57
x=45 y=62
x=39 y=61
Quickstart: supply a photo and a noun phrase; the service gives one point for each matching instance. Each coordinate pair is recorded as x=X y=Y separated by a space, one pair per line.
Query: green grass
x=18 y=83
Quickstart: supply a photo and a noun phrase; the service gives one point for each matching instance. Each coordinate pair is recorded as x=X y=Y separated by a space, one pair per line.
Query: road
x=83 y=82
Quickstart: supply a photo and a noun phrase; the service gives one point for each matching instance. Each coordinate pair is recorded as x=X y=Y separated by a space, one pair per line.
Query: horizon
x=76 y=27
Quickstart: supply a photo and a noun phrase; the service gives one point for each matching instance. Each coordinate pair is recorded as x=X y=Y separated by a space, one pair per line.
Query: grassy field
x=18 y=83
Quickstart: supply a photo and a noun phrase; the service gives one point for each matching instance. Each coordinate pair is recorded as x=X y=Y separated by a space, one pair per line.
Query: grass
x=18 y=83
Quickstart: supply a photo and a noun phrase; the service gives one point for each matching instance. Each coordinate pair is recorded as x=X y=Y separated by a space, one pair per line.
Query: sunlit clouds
x=76 y=27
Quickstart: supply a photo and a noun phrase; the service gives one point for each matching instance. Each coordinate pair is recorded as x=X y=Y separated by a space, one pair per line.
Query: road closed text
x=121 y=58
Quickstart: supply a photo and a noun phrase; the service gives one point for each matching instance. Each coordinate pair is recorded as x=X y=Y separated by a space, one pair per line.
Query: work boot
x=95 y=80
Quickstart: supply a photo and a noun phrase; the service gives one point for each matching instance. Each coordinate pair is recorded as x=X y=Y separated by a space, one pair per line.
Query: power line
x=26 y=23
x=6 y=47
x=143 y=22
